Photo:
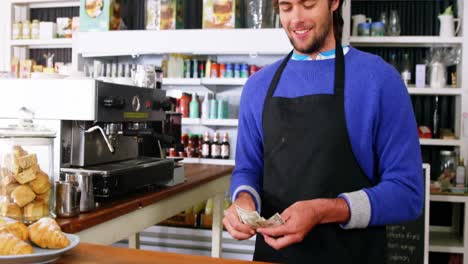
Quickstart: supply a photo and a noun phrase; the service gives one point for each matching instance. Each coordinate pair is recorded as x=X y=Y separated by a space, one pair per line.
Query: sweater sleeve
x=249 y=151
x=399 y=194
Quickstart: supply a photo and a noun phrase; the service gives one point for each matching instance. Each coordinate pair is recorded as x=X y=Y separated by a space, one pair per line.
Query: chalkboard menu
x=406 y=243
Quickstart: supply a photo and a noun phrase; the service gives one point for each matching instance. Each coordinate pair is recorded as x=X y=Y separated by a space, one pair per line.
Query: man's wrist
x=246 y=198
x=334 y=211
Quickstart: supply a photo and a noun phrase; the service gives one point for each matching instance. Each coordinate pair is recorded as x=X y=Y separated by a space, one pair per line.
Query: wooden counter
x=123 y=218
x=90 y=254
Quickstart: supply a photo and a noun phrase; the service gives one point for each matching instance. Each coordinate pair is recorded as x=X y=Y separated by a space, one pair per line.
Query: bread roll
x=41 y=184
x=27 y=161
x=27 y=175
x=22 y=195
x=43 y=198
x=35 y=211
x=11 y=210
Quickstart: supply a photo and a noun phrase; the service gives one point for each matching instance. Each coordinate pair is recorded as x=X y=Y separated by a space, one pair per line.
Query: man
x=327 y=138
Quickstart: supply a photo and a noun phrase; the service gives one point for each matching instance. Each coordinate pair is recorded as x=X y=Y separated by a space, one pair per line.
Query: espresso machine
x=124 y=147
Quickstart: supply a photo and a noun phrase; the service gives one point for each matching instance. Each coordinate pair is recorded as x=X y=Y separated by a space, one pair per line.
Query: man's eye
x=286 y=8
x=309 y=4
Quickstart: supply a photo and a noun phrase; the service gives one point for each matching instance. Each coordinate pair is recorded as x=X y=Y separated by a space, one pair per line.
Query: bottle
x=205 y=109
x=194 y=107
x=26 y=30
x=208 y=68
x=35 y=34
x=436 y=119
x=460 y=178
x=216 y=147
x=206 y=146
x=185 y=104
x=225 y=147
x=406 y=69
x=17 y=31
x=393 y=61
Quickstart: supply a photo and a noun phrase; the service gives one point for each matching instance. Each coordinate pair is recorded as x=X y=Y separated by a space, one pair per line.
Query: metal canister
x=68 y=197
x=244 y=71
x=229 y=71
x=222 y=70
x=237 y=70
x=187 y=64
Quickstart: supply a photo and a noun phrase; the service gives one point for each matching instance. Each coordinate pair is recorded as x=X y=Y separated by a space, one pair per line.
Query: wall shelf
x=47 y=3
x=435 y=91
x=221 y=42
x=210 y=122
x=445 y=242
x=449 y=198
x=42 y=43
x=228 y=162
x=440 y=142
x=404 y=41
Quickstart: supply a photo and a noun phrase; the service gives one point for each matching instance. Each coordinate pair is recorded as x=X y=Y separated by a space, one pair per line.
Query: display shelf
x=404 y=41
x=434 y=91
x=229 y=162
x=185 y=41
x=47 y=3
x=42 y=43
x=445 y=242
x=210 y=122
x=440 y=142
x=224 y=81
x=449 y=198
x=181 y=81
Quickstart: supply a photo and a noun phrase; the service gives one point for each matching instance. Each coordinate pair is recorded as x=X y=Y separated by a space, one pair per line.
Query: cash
x=254 y=220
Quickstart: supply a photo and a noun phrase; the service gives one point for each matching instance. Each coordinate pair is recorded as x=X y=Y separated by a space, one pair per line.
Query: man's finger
x=281 y=242
x=275 y=231
x=238 y=225
x=234 y=233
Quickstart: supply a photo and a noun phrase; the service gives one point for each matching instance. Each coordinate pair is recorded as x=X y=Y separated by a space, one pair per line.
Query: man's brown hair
x=338 y=21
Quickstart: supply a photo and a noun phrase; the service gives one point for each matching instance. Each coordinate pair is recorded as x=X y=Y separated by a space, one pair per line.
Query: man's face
x=307 y=22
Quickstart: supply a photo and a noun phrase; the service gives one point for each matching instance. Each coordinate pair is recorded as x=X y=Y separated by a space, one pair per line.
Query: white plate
x=41 y=255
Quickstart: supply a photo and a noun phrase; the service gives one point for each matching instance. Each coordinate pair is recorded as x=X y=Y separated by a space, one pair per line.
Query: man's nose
x=297 y=15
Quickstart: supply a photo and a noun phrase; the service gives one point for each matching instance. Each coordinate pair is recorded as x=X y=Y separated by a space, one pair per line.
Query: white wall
x=3 y=37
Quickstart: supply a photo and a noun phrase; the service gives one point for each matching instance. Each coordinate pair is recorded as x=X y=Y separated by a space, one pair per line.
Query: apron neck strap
x=339 y=72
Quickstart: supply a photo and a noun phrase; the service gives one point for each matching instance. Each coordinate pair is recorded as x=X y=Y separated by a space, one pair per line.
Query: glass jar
x=394 y=26
x=26 y=172
x=448 y=168
x=35 y=33
x=26 y=30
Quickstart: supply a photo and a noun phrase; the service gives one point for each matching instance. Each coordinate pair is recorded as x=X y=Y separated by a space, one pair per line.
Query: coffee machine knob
x=136 y=104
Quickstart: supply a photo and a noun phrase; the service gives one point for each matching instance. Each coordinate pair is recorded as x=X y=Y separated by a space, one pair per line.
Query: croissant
x=17 y=229
x=11 y=245
x=46 y=233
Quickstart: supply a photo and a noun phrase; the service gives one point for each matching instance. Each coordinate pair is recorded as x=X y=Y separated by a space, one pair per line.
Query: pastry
x=17 y=229
x=11 y=245
x=10 y=188
x=46 y=233
x=11 y=165
x=22 y=195
x=11 y=210
x=27 y=175
x=35 y=211
x=18 y=151
x=6 y=176
x=43 y=198
x=41 y=184
x=27 y=161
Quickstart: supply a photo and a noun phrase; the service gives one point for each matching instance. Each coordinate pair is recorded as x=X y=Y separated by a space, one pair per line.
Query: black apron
x=308 y=155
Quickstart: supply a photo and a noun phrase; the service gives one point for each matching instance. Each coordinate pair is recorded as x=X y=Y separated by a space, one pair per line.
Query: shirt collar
x=326 y=55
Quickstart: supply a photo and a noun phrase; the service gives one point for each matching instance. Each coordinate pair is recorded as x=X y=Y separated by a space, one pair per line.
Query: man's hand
x=301 y=217
x=231 y=221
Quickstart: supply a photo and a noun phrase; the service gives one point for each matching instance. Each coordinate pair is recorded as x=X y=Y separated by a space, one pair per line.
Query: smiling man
x=327 y=138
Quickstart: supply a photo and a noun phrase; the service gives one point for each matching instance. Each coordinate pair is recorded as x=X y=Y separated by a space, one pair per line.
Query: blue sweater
x=381 y=127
